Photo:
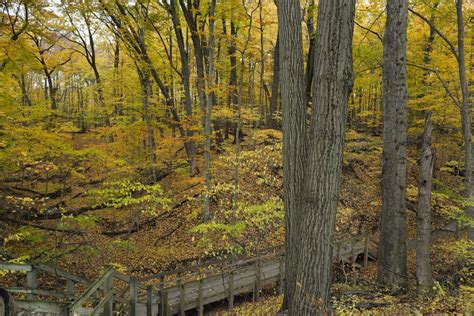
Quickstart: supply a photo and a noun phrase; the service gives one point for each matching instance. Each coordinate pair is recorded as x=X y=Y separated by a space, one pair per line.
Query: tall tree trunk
x=190 y=145
x=233 y=96
x=188 y=8
x=465 y=116
x=51 y=88
x=207 y=125
x=333 y=81
x=25 y=98
x=117 y=94
x=392 y=256
x=423 y=216
x=150 y=143
x=429 y=47
x=98 y=82
x=293 y=100
x=262 y=67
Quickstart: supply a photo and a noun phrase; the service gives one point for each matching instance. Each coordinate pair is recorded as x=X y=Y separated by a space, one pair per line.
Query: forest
x=236 y=157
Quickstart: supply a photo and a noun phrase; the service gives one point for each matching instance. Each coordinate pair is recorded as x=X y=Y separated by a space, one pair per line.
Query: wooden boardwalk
x=176 y=292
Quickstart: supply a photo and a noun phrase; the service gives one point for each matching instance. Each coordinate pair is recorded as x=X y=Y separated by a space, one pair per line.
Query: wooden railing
x=114 y=293
x=31 y=288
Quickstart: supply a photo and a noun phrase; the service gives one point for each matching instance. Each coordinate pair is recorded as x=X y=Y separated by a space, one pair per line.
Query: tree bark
x=311 y=53
x=293 y=100
x=275 y=84
x=191 y=19
x=465 y=117
x=207 y=125
x=262 y=67
x=150 y=143
x=423 y=216
x=190 y=145
x=392 y=255
x=333 y=81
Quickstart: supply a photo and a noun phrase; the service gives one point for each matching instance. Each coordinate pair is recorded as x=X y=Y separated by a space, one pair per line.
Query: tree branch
x=455 y=99
x=437 y=31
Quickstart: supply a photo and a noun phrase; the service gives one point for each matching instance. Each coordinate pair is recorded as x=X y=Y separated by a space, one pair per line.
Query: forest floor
x=167 y=239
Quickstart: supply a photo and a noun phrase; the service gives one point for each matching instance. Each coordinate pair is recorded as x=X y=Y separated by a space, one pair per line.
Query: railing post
x=353 y=257
x=31 y=282
x=281 y=275
x=163 y=303
x=200 y=298
x=149 y=300
x=70 y=288
x=133 y=296
x=257 y=279
x=96 y=297
x=231 y=289
x=366 y=250
x=181 y=295
x=109 y=305
x=163 y=298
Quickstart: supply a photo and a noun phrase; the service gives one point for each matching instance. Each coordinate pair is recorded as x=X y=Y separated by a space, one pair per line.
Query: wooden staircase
x=175 y=292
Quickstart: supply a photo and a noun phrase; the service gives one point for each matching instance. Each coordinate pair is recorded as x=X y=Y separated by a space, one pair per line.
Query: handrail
x=37 y=292
x=61 y=273
x=27 y=267
x=211 y=262
x=356 y=238
x=102 y=302
x=15 y=266
x=92 y=288
x=111 y=293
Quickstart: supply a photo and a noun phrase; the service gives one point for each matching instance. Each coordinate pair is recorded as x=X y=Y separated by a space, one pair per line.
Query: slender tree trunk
x=25 y=98
x=392 y=256
x=150 y=143
x=429 y=47
x=98 y=82
x=190 y=145
x=465 y=116
x=51 y=89
x=262 y=67
x=117 y=79
x=207 y=126
x=311 y=53
x=423 y=216
x=191 y=21
x=275 y=83
x=233 y=97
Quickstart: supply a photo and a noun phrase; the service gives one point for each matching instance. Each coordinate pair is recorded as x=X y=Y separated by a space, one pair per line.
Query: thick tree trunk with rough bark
x=423 y=216
x=294 y=130
x=312 y=163
x=333 y=81
x=392 y=256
